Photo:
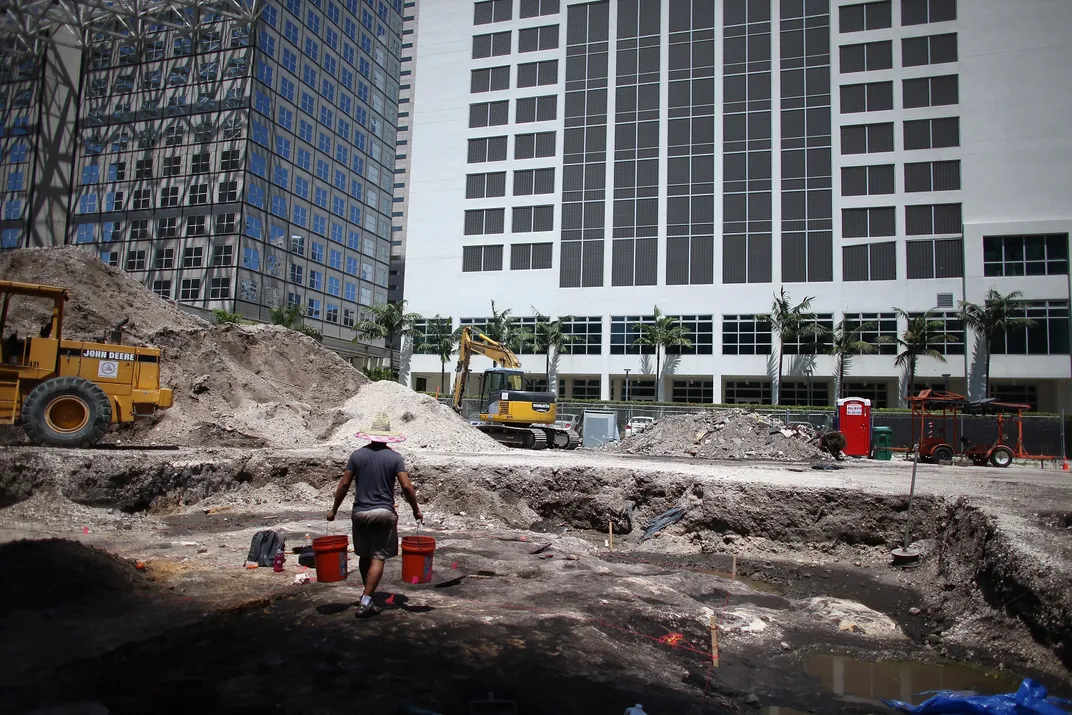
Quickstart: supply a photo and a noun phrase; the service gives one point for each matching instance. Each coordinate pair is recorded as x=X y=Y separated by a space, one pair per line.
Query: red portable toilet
x=854 y=421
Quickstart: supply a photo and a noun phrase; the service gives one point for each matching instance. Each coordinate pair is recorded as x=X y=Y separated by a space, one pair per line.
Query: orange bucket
x=330 y=553
x=417 y=553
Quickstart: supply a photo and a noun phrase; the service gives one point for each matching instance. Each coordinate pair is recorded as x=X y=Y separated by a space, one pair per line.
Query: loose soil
x=235 y=385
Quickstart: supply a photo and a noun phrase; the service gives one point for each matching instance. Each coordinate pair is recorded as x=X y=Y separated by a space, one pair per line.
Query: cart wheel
x=942 y=454
x=1001 y=457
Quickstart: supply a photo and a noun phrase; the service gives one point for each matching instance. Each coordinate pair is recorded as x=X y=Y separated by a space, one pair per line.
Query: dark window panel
x=854 y=223
x=915 y=51
x=854 y=263
x=854 y=181
x=916 y=92
x=919 y=259
x=884 y=261
x=949 y=258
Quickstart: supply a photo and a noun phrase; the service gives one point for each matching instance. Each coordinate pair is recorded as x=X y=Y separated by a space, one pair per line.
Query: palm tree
x=552 y=337
x=920 y=339
x=847 y=340
x=504 y=329
x=500 y=326
x=388 y=321
x=439 y=339
x=790 y=322
x=292 y=316
x=662 y=333
x=998 y=315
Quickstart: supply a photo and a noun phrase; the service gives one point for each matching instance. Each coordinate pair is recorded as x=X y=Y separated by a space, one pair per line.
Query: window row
x=166 y=197
x=529 y=74
x=199 y=163
x=918 y=92
x=528 y=109
x=526 y=146
x=918 y=176
x=523 y=257
x=915 y=52
x=920 y=220
x=879 y=15
x=918 y=134
x=529 y=39
x=526 y=219
x=527 y=182
x=925 y=259
x=161 y=228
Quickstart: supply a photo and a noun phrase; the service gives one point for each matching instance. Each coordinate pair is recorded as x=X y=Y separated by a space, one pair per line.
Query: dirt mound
x=250 y=384
x=101 y=296
x=426 y=422
x=56 y=572
x=235 y=385
x=724 y=434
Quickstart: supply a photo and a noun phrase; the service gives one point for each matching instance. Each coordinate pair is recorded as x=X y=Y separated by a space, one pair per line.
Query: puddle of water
x=761 y=586
x=903 y=680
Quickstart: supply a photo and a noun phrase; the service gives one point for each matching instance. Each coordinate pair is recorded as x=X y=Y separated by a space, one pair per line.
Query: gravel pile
x=725 y=434
x=426 y=422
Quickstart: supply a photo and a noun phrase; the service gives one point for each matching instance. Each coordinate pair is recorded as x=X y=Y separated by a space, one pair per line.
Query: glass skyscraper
x=244 y=160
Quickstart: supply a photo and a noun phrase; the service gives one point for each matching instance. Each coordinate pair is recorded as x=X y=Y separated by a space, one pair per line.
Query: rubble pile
x=723 y=434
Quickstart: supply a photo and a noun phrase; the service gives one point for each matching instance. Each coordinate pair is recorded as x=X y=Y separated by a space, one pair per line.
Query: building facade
x=595 y=160
x=241 y=161
x=406 y=81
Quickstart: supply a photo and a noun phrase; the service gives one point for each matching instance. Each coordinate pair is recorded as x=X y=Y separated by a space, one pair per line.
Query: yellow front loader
x=511 y=415
x=66 y=393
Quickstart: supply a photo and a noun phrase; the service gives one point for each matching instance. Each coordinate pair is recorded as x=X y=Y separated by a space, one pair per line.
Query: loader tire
x=66 y=412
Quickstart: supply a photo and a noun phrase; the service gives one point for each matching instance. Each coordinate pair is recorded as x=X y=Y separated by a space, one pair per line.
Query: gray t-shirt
x=375 y=467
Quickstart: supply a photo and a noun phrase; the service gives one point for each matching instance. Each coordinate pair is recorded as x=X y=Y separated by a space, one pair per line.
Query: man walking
x=373 y=469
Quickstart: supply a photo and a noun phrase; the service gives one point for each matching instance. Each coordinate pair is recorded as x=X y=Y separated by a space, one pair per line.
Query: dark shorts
x=375 y=534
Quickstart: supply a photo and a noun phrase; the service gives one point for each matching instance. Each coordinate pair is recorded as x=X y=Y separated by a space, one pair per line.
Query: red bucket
x=417 y=553
x=330 y=553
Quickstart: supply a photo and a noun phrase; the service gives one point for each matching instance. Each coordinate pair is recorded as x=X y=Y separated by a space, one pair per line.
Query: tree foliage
x=790 y=322
x=998 y=315
x=662 y=333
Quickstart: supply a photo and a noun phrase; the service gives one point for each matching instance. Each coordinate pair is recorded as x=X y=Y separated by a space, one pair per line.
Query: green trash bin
x=881 y=443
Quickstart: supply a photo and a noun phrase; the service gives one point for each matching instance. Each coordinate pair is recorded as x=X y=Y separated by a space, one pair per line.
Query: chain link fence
x=1042 y=433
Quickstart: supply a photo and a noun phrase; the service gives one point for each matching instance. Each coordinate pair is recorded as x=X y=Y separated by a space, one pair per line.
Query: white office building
x=598 y=159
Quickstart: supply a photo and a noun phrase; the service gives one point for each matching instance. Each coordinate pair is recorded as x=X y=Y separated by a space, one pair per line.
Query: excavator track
x=520 y=437
x=562 y=439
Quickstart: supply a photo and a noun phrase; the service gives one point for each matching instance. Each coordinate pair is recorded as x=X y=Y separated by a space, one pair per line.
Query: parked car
x=637 y=425
x=567 y=421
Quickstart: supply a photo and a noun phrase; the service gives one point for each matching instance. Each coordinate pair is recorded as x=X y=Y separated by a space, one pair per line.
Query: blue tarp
x=1030 y=699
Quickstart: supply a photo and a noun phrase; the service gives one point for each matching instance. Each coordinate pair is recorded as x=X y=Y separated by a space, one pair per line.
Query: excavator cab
x=496 y=381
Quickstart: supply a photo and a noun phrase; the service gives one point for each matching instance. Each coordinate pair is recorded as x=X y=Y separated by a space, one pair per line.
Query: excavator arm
x=475 y=342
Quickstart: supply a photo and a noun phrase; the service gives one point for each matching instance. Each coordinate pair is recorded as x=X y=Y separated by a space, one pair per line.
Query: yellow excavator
x=510 y=414
x=66 y=393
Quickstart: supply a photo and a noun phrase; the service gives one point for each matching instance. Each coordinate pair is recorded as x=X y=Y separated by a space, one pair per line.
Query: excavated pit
x=812 y=561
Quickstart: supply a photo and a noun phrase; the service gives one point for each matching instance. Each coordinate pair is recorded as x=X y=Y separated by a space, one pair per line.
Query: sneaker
x=367 y=611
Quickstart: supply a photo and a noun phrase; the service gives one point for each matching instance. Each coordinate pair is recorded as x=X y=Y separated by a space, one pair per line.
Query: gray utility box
x=599 y=428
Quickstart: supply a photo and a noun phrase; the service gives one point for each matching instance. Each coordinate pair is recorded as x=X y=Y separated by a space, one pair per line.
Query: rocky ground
x=609 y=627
